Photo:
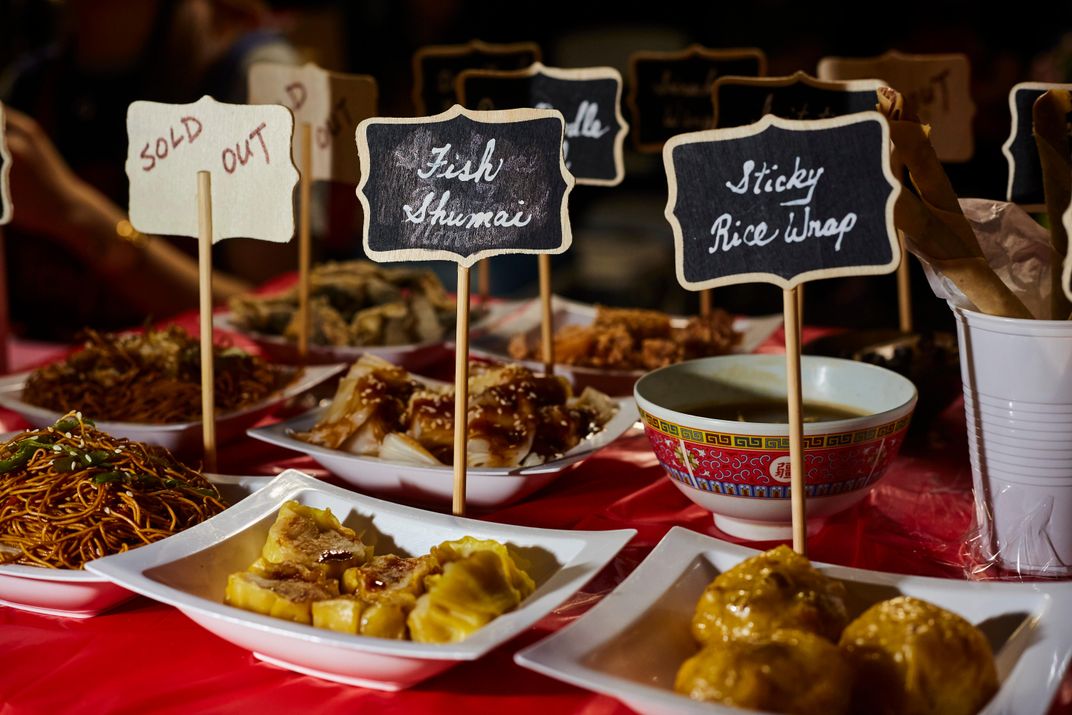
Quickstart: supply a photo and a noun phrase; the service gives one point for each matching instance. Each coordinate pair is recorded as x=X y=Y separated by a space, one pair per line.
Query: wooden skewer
x=799 y=290
x=461 y=391
x=796 y=423
x=705 y=303
x=547 y=326
x=304 y=239
x=904 y=290
x=204 y=264
x=483 y=280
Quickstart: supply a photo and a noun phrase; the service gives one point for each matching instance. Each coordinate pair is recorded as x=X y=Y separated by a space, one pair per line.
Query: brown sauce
x=772 y=411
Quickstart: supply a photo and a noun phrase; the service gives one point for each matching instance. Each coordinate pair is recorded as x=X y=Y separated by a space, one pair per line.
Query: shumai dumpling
x=911 y=657
x=770 y=591
x=313 y=537
x=784 y=672
x=479 y=583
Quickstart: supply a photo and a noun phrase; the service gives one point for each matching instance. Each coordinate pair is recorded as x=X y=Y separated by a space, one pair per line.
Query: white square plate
x=510 y=319
x=630 y=645
x=189 y=571
x=177 y=436
x=73 y=593
x=485 y=487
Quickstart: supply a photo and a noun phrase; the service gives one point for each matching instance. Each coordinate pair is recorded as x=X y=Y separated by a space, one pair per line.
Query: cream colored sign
x=5 y=169
x=332 y=103
x=937 y=88
x=245 y=148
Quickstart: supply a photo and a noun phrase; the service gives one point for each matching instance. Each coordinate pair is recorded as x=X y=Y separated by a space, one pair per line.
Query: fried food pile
x=634 y=339
x=314 y=570
x=775 y=636
x=515 y=417
x=356 y=303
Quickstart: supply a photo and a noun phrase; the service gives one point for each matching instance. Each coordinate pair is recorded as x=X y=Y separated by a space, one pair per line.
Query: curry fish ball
x=911 y=657
x=784 y=672
x=773 y=590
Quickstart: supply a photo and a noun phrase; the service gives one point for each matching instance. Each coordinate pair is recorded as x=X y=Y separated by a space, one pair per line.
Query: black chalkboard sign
x=464 y=185
x=589 y=99
x=743 y=100
x=782 y=201
x=436 y=67
x=670 y=92
x=5 y=168
x=1025 y=172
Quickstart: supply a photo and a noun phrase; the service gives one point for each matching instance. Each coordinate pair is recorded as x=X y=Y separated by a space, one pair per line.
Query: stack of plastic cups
x=1018 y=402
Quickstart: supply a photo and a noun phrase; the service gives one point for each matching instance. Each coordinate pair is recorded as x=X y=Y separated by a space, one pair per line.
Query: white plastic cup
x=1017 y=378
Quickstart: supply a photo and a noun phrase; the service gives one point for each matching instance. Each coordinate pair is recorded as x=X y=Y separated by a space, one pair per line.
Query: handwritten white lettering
x=478 y=219
x=765 y=182
x=466 y=172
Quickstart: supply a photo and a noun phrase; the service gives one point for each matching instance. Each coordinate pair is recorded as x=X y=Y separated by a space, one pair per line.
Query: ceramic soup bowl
x=739 y=470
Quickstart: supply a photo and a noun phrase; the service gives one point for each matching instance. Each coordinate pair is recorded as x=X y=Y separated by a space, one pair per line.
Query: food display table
x=146 y=657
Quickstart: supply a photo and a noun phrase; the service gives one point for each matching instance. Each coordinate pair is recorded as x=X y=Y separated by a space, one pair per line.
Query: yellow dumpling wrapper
x=472 y=591
x=467 y=545
x=313 y=537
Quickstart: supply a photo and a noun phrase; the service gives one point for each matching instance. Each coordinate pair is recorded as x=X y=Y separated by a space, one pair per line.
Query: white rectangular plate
x=176 y=436
x=630 y=645
x=485 y=487
x=510 y=319
x=81 y=594
x=189 y=571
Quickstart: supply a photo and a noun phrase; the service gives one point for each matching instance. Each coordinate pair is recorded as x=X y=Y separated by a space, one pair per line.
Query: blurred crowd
x=69 y=68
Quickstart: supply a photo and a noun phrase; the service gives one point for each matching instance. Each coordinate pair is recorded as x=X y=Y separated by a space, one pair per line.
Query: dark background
x=622 y=250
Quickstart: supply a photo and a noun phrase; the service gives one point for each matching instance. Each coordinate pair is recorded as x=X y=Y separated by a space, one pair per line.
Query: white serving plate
x=189 y=571
x=630 y=645
x=412 y=356
x=179 y=436
x=485 y=487
x=81 y=594
x=512 y=318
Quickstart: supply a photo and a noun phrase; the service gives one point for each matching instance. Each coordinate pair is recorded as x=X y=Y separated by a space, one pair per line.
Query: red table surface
x=147 y=657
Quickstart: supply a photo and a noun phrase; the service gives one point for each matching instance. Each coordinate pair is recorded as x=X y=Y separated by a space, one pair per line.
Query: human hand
x=47 y=195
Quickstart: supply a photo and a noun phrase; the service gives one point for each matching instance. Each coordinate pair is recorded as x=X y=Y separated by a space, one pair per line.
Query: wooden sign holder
x=171 y=143
x=632 y=98
x=478 y=47
x=465 y=262
x=334 y=101
x=791 y=288
x=953 y=138
x=547 y=350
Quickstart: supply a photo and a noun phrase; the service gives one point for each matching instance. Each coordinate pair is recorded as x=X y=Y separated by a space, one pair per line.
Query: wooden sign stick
x=705 y=303
x=483 y=281
x=547 y=326
x=904 y=289
x=304 y=240
x=204 y=264
x=461 y=390
x=796 y=419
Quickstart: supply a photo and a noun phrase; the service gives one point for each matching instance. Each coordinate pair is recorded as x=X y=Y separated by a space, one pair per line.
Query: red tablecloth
x=146 y=657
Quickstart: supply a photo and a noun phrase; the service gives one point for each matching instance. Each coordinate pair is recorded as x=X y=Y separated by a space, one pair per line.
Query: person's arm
x=50 y=200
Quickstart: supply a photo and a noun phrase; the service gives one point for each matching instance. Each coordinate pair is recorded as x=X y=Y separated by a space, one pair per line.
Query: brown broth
x=772 y=411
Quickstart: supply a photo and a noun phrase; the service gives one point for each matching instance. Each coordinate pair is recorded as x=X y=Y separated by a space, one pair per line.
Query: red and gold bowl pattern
x=757 y=467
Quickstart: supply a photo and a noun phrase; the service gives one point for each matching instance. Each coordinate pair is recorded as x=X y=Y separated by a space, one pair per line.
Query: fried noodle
x=70 y=494
x=152 y=377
